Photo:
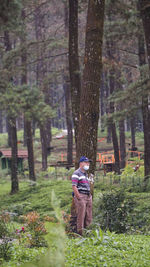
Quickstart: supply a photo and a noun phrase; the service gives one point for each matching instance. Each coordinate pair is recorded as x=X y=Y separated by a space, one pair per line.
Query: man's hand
x=76 y=192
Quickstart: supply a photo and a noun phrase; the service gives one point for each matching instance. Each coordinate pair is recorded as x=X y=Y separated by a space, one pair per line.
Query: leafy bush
x=37 y=230
x=112 y=209
x=5 y=249
x=5 y=245
x=4 y=219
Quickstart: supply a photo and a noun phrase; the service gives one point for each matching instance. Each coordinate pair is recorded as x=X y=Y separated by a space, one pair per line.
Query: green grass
x=99 y=249
x=37 y=198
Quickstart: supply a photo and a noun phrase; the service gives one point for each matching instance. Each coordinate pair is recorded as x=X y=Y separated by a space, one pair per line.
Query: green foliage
x=9 y=13
x=28 y=198
x=24 y=99
x=112 y=210
x=5 y=244
x=36 y=228
x=5 y=249
x=108 y=249
x=33 y=104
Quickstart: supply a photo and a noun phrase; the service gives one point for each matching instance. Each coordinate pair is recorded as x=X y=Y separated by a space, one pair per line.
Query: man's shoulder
x=76 y=172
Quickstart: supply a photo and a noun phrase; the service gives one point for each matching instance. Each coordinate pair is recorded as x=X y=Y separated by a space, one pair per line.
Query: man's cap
x=84 y=159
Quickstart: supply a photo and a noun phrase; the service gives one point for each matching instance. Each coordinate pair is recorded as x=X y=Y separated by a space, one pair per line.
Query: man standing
x=82 y=195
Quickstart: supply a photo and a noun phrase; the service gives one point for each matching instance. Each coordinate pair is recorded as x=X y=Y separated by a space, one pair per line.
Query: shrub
x=112 y=211
x=37 y=230
x=5 y=249
x=5 y=245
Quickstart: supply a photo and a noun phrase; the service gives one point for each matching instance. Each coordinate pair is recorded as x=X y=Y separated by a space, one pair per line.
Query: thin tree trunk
x=67 y=92
x=12 y=133
x=27 y=122
x=40 y=72
x=146 y=114
x=109 y=136
x=122 y=144
x=48 y=135
x=24 y=133
x=116 y=147
x=7 y=48
x=144 y=6
x=75 y=79
x=68 y=122
x=14 y=177
x=111 y=52
x=132 y=124
x=102 y=110
x=44 y=147
x=1 y=121
x=30 y=150
x=89 y=104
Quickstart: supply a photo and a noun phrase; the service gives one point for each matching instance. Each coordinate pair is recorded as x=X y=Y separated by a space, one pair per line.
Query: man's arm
x=76 y=192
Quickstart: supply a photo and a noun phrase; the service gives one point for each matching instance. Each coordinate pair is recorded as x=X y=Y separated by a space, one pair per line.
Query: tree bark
x=44 y=147
x=67 y=91
x=132 y=124
x=1 y=121
x=116 y=147
x=102 y=110
x=40 y=76
x=110 y=53
x=122 y=144
x=7 y=48
x=27 y=122
x=30 y=150
x=109 y=136
x=14 y=177
x=146 y=113
x=144 y=6
x=24 y=133
x=74 y=69
x=89 y=104
x=68 y=121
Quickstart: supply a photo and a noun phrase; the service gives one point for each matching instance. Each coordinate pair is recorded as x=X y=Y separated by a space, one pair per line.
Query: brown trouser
x=84 y=212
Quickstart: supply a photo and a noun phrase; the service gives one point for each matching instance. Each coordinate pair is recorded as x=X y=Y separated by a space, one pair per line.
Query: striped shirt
x=81 y=181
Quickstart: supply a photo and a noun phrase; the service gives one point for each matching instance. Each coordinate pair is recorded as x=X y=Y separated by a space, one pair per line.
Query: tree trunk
x=48 y=133
x=102 y=110
x=146 y=113
x=68 y=121
x=75 y=79
x=24 y=133
x=122 y=144
x=111 y=54
x=27 y=122
x=1 y=121
x=144 y=6
x=40 y=75
x=14 y=177
x=7 y=48
x=113 y=127
x=89 y=104
x=109 y=136
x=132 y=124
x=146 y=126
x=67 y=92
x=116 y=147
x=44 y=147
x=30 y=150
